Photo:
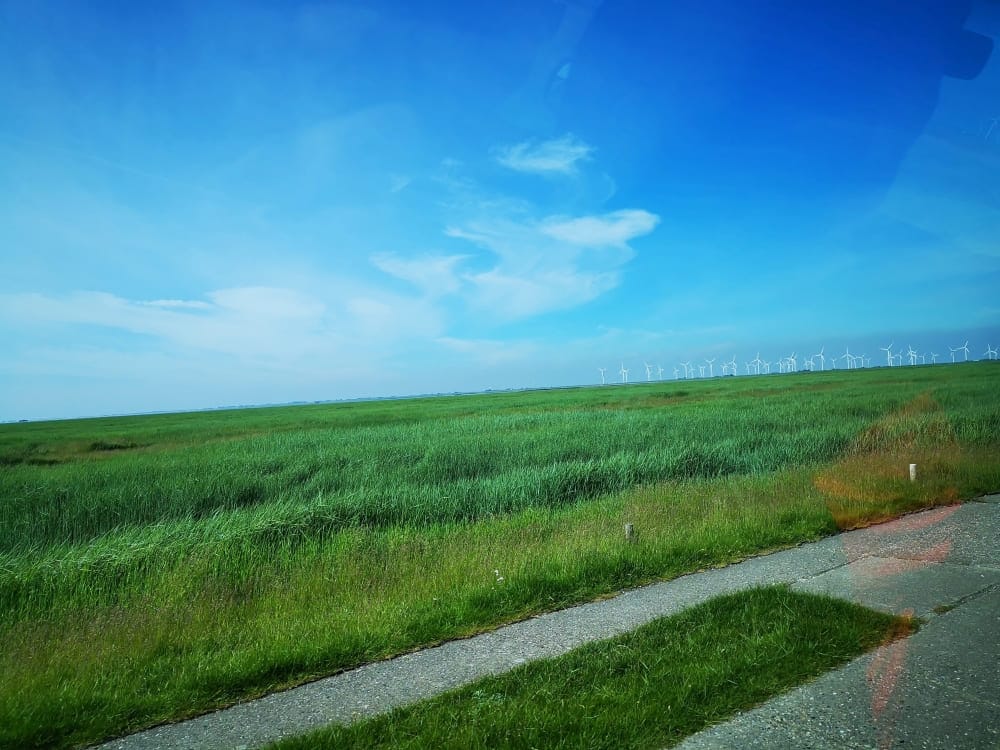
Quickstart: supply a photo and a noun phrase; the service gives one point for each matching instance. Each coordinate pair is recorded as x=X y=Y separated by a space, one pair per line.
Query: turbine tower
x=847 y=355
x=649 y=372
x=603 y=370
x=711 y=368
x=964 y=348
x=990 y=353
x=624 y=373
x=888 y=353
x=822 y=359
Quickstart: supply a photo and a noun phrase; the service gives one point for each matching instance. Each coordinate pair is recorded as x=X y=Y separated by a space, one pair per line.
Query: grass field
x=155 y=567
x=647 y=689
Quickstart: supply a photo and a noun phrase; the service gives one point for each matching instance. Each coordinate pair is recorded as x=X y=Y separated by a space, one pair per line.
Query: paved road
x=938 y=687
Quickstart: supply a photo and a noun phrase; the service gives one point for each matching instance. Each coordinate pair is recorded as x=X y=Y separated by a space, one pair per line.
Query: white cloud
x=553 y=264
x=539 y=291
x=433 y=274
x=265 y=325
x=489 y=351
x=398 y=182
x=609 y=230
x=178 y=303
x=555 y=156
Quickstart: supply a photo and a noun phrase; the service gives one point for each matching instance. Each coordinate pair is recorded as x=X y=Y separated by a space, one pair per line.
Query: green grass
x=156 y=567
x=647 y=689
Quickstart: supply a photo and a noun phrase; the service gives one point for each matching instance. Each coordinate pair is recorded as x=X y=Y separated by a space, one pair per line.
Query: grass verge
x=647 y=689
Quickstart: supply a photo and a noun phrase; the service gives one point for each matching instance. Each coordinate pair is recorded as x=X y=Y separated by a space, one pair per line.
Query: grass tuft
x=647 y=689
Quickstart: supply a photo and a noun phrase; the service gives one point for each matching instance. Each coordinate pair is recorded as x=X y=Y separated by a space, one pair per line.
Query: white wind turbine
x=793 y=363
x=933 y=358
x=848 y=356
x=687 y=370
x=624 y=373
x=952 y=354
x=732 y=366
x=603 y=370
x=649 y=372
x=822 y=359
x=990 y=353
x=711 y=367
x=701 y=371
x=757 y=362
x=767 y=368
x=912 y=355
x=888 y=353
x=809 y=364
x=659 y=370
x=964 y=348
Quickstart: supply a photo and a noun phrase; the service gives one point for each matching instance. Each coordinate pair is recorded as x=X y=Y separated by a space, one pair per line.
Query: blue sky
x=221 y=203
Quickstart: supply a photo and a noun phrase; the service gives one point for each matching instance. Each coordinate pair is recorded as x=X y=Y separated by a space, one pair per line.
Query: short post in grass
x=629 y=533
x=913 y=472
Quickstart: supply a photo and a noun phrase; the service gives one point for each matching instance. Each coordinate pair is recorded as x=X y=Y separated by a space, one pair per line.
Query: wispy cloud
x=609 y=230
x=555 y=156
x=263 y=324
x=434 y=274
x=553 y=264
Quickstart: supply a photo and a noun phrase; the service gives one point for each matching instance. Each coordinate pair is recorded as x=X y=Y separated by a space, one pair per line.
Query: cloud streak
x=558 y=156
x=554 y=264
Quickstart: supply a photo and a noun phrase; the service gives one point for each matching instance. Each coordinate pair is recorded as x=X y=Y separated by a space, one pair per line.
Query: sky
x=222 y=203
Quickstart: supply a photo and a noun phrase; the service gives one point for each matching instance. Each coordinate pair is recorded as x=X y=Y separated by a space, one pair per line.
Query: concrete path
x=945 y=677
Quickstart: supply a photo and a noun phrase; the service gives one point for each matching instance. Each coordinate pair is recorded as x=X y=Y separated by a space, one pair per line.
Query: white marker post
x=629 y=532
x=913 y=472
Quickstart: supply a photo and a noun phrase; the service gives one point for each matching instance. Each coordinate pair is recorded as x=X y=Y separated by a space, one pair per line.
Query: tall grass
x=439 y=470
x=154 y=567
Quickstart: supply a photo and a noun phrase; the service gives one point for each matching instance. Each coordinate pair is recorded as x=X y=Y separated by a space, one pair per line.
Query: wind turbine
x=847 y=355
x=624 y=373
x=888 y=353
x=952 y=354
x=793 y=363
x=711 y=368
x=822 y=359
x=701 y=371
x=603 y=370
x=990 y=353
x=933 y=358
x=677 y=374
x=659 y=370
x=912 y=355
x=757 y=362
x=809 y=363
x=732 y=366
x=965 y=348
x=687 y=370
x=767 y=368
x=649 y=372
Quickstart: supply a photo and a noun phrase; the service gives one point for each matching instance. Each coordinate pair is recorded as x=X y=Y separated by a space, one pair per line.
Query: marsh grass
x=130 y=594
x=647 y=689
